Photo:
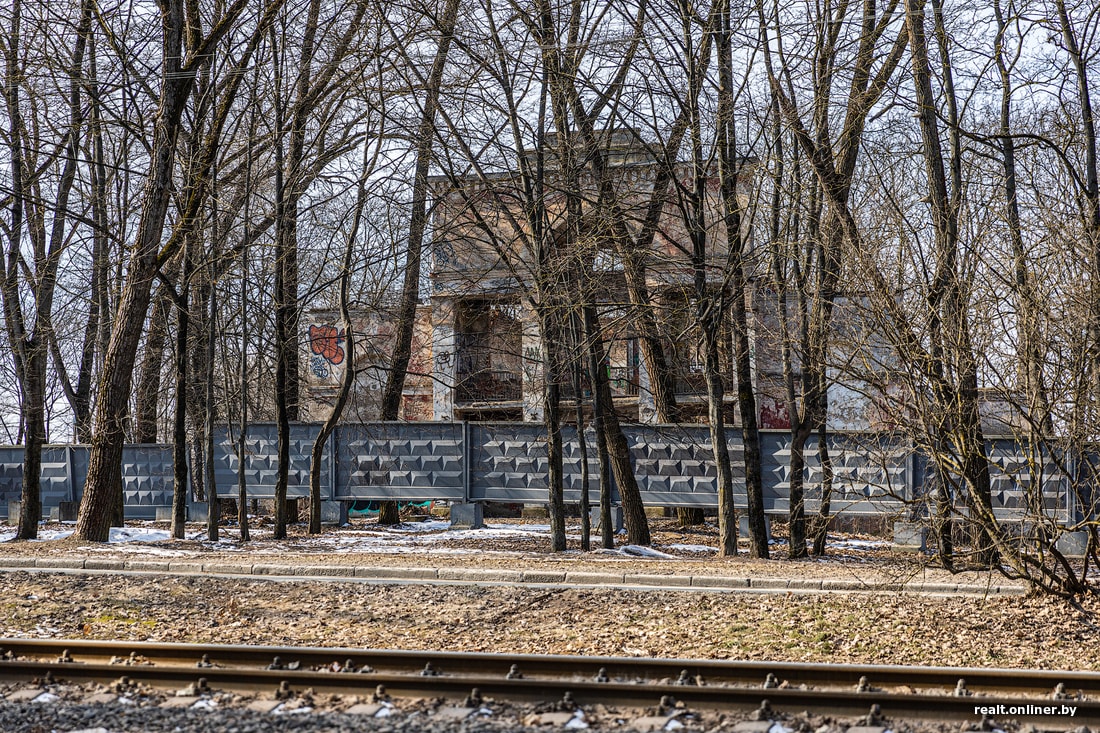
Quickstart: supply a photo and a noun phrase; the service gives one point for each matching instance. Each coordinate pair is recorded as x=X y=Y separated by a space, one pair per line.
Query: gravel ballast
x=502 y=591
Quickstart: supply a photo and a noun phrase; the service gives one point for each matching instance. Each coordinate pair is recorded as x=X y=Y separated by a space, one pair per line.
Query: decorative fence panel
x=147 y=479
x=874 y=473
x=403 y=461
x=1014 y=468
x=11 y=474
x=674 y=465
x=261 y=461
x=56 y=480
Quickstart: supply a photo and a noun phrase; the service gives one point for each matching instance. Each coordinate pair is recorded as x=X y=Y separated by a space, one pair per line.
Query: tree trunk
x=99 y=309
x=729 y=169
x=149 y=381
x=661 y=378
x=212 y=509
x=727 y=514
x=796 y=522
x=618 y=451
x=1084 y=417
x=149 y=387
x=347 y=380
x=282 y=384
x=104 y=481
x=582 y=446
x=418 y=220
x=34 y=438
x=594 y=352
x=819 y=528
x=834 y=165
x=689 y=516
x=962 y=406
x=550 y=324
x=180 y=483
x=579 y=344
x=31 y=350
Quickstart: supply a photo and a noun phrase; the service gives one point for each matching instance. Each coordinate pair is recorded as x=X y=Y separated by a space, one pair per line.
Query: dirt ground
x=992 y=631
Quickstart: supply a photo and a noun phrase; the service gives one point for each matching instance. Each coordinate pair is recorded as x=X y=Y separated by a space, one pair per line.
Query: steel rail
x=625 y=669
x=583 y=692
x=633 y=682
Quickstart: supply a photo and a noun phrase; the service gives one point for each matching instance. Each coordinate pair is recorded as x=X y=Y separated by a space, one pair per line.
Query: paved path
x=465 y=575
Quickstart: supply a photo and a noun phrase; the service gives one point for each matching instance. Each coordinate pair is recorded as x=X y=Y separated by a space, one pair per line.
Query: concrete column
x=531 y=343
x=444 y=359
x=467 y=516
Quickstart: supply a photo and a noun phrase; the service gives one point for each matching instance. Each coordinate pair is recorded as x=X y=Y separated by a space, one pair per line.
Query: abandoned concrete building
x=477 y=350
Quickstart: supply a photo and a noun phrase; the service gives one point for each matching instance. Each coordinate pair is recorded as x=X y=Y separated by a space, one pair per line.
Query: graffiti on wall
x=325 y=343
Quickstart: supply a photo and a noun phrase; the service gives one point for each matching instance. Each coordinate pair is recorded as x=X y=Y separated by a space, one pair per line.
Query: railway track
x=844 y=690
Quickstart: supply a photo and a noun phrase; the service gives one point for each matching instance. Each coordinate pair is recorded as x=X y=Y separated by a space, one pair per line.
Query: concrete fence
x=874 y=473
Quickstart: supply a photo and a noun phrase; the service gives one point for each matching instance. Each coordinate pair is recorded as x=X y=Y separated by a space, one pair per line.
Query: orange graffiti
x=325 y=340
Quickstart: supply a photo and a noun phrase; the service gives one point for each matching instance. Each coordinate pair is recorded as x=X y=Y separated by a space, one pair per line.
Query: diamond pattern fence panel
x=572 y=473
x=675 y=466
x=62 y=479
x=147 y=479
x=1014 y=470
x=59 y=462
x=261 y=461
x=400 y=461
x=872 y=473
x=509 y=463
x=506 y=462
x=11 y=475
x=1086 y=491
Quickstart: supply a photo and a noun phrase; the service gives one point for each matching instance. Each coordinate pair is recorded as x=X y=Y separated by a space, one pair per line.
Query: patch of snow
x=431 y=526
x=431 y=538
x=46 y=535
x=692 y=548
x=642 y=551
x=138 y=534
x=859 y=544
x=119 y=535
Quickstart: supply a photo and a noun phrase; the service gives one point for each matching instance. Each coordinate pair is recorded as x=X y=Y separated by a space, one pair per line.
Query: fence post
x=69 y=473
x=466 y=461
x=331 y=448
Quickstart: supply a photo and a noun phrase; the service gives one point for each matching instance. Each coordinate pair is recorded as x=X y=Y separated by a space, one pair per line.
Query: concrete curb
x=513 y=577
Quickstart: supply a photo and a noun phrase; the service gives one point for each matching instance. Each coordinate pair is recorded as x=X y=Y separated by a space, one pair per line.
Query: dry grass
x=993 y=631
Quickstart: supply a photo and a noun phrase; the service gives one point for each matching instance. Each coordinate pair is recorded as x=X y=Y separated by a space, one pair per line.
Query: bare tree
x=312 y=85
x=184 y=48
x=31 y=341
x=834 y=163
x=418 y=220
x=347 y=379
